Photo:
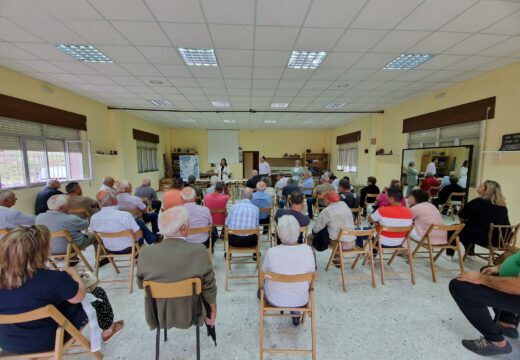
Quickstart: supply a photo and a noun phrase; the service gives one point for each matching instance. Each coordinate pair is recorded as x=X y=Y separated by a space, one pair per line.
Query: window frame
x=348 y=147
x=147 y=156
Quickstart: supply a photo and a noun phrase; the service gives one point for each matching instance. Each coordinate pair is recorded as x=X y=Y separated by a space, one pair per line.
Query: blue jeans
x=147 y=234
x=152 y=218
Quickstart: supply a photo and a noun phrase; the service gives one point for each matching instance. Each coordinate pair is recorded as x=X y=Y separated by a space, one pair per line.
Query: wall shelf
x=499 y=152
x=106 y=155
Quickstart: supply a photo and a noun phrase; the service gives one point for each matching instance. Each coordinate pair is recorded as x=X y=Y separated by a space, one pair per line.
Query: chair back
x=206 y=229
x=289 y=279
x=265 y=210
x=218 y=211
x=455 y=228
x=371 y=198
x=504 y=236
x=356 y=212
x=241 y=232
x=460 y=195
x=303 y=231
x=405 y=230
x=106 y=235
x=433 y=190
x=174 y=290
x=62 y=234
x=350 y=232
x=81 y=212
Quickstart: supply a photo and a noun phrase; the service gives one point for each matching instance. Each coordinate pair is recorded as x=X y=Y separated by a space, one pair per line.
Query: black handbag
x=321 y=240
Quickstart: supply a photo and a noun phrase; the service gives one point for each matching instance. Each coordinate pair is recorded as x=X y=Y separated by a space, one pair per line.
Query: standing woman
x=223 y=172
x=297 y=171
x=463 y=178
x=411 y=177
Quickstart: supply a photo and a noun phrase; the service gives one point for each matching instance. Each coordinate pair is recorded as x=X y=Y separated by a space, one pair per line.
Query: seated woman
x=289 y=258
x=478 y=214
x=383 y=198
x=424 y=215
x=26 y=284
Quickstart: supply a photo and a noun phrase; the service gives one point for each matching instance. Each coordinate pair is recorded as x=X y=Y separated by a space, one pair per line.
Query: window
x=146 y=157
x=347 y=157
x=32 y=153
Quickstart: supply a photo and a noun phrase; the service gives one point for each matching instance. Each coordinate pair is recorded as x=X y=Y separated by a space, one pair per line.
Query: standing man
x=77 y=200
x=432 y=167
x=264 y=167
x=146 y=191
x=9 y=217
x=44 y=195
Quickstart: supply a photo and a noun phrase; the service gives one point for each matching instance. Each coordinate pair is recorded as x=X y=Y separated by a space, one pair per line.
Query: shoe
x=485 y=348
x=118 y=326
x=508 y=331
x=159 y=238
x=296 y=319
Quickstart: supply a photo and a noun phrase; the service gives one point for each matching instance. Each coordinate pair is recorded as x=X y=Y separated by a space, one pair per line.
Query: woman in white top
x=463 y=178
x=297 y=171
x=289 y=258
x=223 y=172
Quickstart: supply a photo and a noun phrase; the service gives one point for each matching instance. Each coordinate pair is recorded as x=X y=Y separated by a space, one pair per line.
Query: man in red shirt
x=217 y=200
x=428 y=182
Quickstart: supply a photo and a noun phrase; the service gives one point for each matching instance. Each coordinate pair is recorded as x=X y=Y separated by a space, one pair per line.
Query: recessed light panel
x=308 y=122
x=85 y=53
x=334 y=106
x=198 y=57
x=221 y=104
x=306 y=59
x=407 y=61
x=227 y=121
x=279 y=105
x=160 y=102
x=188 y=120
x=269 y=121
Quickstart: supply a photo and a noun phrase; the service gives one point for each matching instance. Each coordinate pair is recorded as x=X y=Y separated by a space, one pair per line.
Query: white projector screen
x=223 y=144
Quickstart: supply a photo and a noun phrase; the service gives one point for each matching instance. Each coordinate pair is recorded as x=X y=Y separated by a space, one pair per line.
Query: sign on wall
x=510 y=142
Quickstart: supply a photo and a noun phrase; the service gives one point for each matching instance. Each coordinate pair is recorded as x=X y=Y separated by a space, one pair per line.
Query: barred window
x=347 y=157
x=147 y=157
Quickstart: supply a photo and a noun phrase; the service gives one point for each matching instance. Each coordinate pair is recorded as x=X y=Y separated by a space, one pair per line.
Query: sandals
x=117 y=327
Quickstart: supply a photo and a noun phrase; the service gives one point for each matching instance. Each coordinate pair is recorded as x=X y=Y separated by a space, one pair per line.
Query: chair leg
x=261 y=329
x=197 y=330
x=342 y=269
x=331 y=257
x=228 y=267
x=461 y=261
x=157 y=342
x=372 y=268
x=410 y=260
x=432 y=262
x=132 y=264
x=392 y=258
x=381 y=263
x=313 y=332
x=165 y=334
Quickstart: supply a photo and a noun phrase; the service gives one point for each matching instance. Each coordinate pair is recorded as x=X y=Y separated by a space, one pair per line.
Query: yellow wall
x=503 y=83
x=106 y=130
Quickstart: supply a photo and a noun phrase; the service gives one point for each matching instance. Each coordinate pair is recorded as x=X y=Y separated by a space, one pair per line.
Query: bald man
x=52 y=188
x=108 y=184
x=262 y=200
x=146 y=191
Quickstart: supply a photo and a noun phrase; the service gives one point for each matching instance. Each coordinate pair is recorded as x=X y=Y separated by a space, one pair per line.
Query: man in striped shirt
x=394 y=215
x=243 y=215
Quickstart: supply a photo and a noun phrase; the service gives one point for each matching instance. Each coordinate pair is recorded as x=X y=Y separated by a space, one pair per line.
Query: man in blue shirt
x=52 y=188
x=263 y=200
x=243 y=215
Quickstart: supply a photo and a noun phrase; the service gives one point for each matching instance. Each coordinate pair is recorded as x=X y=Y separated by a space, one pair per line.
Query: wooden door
x=251 y=160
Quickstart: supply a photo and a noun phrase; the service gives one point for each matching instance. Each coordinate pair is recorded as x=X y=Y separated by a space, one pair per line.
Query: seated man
x=216 y=200
x=172 y=197
x=262 y=200
x=371 y=188
x=243 y=215
x=322 y=188
x=9 y=217
x=394 y=215
x=213 y=181
x=280 y=184
x=173 y=260
x=56 y=219
x=198 y=190
x=52 y=188
x=255 y=178
x=289 y=258
x=111 y=220
x=307 y=184
x=295 y=209
x=428 y=182
x=446 y=179
x=347 y=196
x=287 y=189
x=497 y=287
x=146 y=191
x=108 y=184
x=78 y=201
x=129 y=202
x=269 y=189
x=199 y=216
x=446 y=191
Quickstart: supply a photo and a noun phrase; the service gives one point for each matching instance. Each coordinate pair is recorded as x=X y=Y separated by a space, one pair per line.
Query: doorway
x=251 y=161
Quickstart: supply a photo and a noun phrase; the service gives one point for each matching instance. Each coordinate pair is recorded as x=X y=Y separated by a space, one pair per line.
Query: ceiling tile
x=291 y=84
x=357 y=40
x=281 y=12
x=49 y=30
x=188 y=35
x=22 y=8
x=42 y=66
x=44 y=51
x=142 y=33
x=441 y=75
x=333 y=13
x=235 y=72
x=11 y=32
x=432 y=14
x=141 y=69
x=265 y=84
x=123 y=9
x=374 y=61
x=297 y=74
x=384 y=14
x=125 y=80
x=211 y=83
x=439 y=41
x=174 y=70
x=384 y=75
x=232 y=36
x=267 y=73
x=508 y=26
x=340 y=60
x=99 y=32
x=206 y=72
x=187 y=11
x=415 y=75
x=109 y=69
x=504 y=49
x=10 y=51
x=399 y=41
x=476 y=44
x=161 y=55
x=75 y=67
x=327 y=74
x=317 y=84
x=471 y=62
x=275 y=37
x=271 y=58
x=228 y=57
x=240 y=12
x=123 y=54
x=317 y=39
x=498 y=63
x=439 y=62
x=357 y=74
x=65 y=9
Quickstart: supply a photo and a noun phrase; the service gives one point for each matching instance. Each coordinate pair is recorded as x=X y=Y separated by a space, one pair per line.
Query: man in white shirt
x=111 y=220
x=9 y=217
x=264 y=168
x=129 y=202
x=108 y=184
x=280 y=184
x=289 y=258
x=432 y=167
x=200 y=216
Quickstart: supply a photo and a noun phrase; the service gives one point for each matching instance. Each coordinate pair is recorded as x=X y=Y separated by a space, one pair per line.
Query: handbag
x=321 y=240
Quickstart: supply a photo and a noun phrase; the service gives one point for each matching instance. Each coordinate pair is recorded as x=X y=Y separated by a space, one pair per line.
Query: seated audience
x=148 y=192
x=295 y=209
x=199 y=216
x=269 y=189
x=307 y=184
x=172 y=197
x=446 y=191
x=332 y=219
x=497 y=287
x=78 y=201
x=255 y=178
x=322 y=188
x=213 y=181
x=287 y=189
x=173 y=260
x=371 y=188
x=280 y=184
x=346 y=195
x=108 y=184
x=56 y=219
x=424 y=215
x=383 y=199
x=216 y=200
x=129 y=202
x=111 y=220
x=394 y=215
x=52 y=188
x=10 y=217
x=446 y=179
x=243 y=215
x=289 y=258
x=262 y=200
x=197 y=188
x=27 y=284
x=428 y=182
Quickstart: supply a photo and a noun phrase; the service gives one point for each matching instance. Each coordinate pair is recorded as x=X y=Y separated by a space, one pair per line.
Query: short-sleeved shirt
x=199 y=216
x=128 y=202
x=262 y=200
x=280 y=184
x=172 y=198
x=308 y=184
x=9 y=218
x=350 y=199
x=215 y=201
x=511 y=266
x=393 y=216
x=111 y=220
x=424 y=215
x=46 y=287
x=147 y=192
x=56 y=221
x=243 y=215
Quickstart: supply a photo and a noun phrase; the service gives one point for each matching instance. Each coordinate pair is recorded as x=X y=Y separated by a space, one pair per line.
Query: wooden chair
x=206 y=229
x=452 y=205
x=136 y=213
x=505 y=236
x=404 y=247
x=370 y=200
x=147 y=202
x=267 y=309
x=367 y=250
x=103 y=253
x=81 y=212
x=180 y=289
x=72 y=251
x=453 y=244
x=317 y=207
x=269 y=212
x=241 y=259
x=433 y=191
x=77 y=341
x=219 y=211
x=356 y=213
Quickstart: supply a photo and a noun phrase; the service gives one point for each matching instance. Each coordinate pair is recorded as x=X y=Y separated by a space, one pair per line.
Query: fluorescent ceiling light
x=306 y=59
x=160 y=102
x=334 y=106
x=269 y=121
x=407 y=61
x=86 y=53
x=307 y=122
x=198 y=57
x=188 y=120
x=229 y=121
x=279 y=105
x=221 y=104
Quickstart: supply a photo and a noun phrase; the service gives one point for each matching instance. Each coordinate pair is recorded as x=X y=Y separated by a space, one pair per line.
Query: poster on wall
x=189 y=165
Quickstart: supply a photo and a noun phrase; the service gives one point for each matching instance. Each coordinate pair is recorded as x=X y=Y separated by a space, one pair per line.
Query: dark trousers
x=147 y=234
x=243 y=241
x=474 y=300
x=281 y=204
x=156 y=206
x=207 y=242
x=152 y=217
x=310 y=203
x=265 y=222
